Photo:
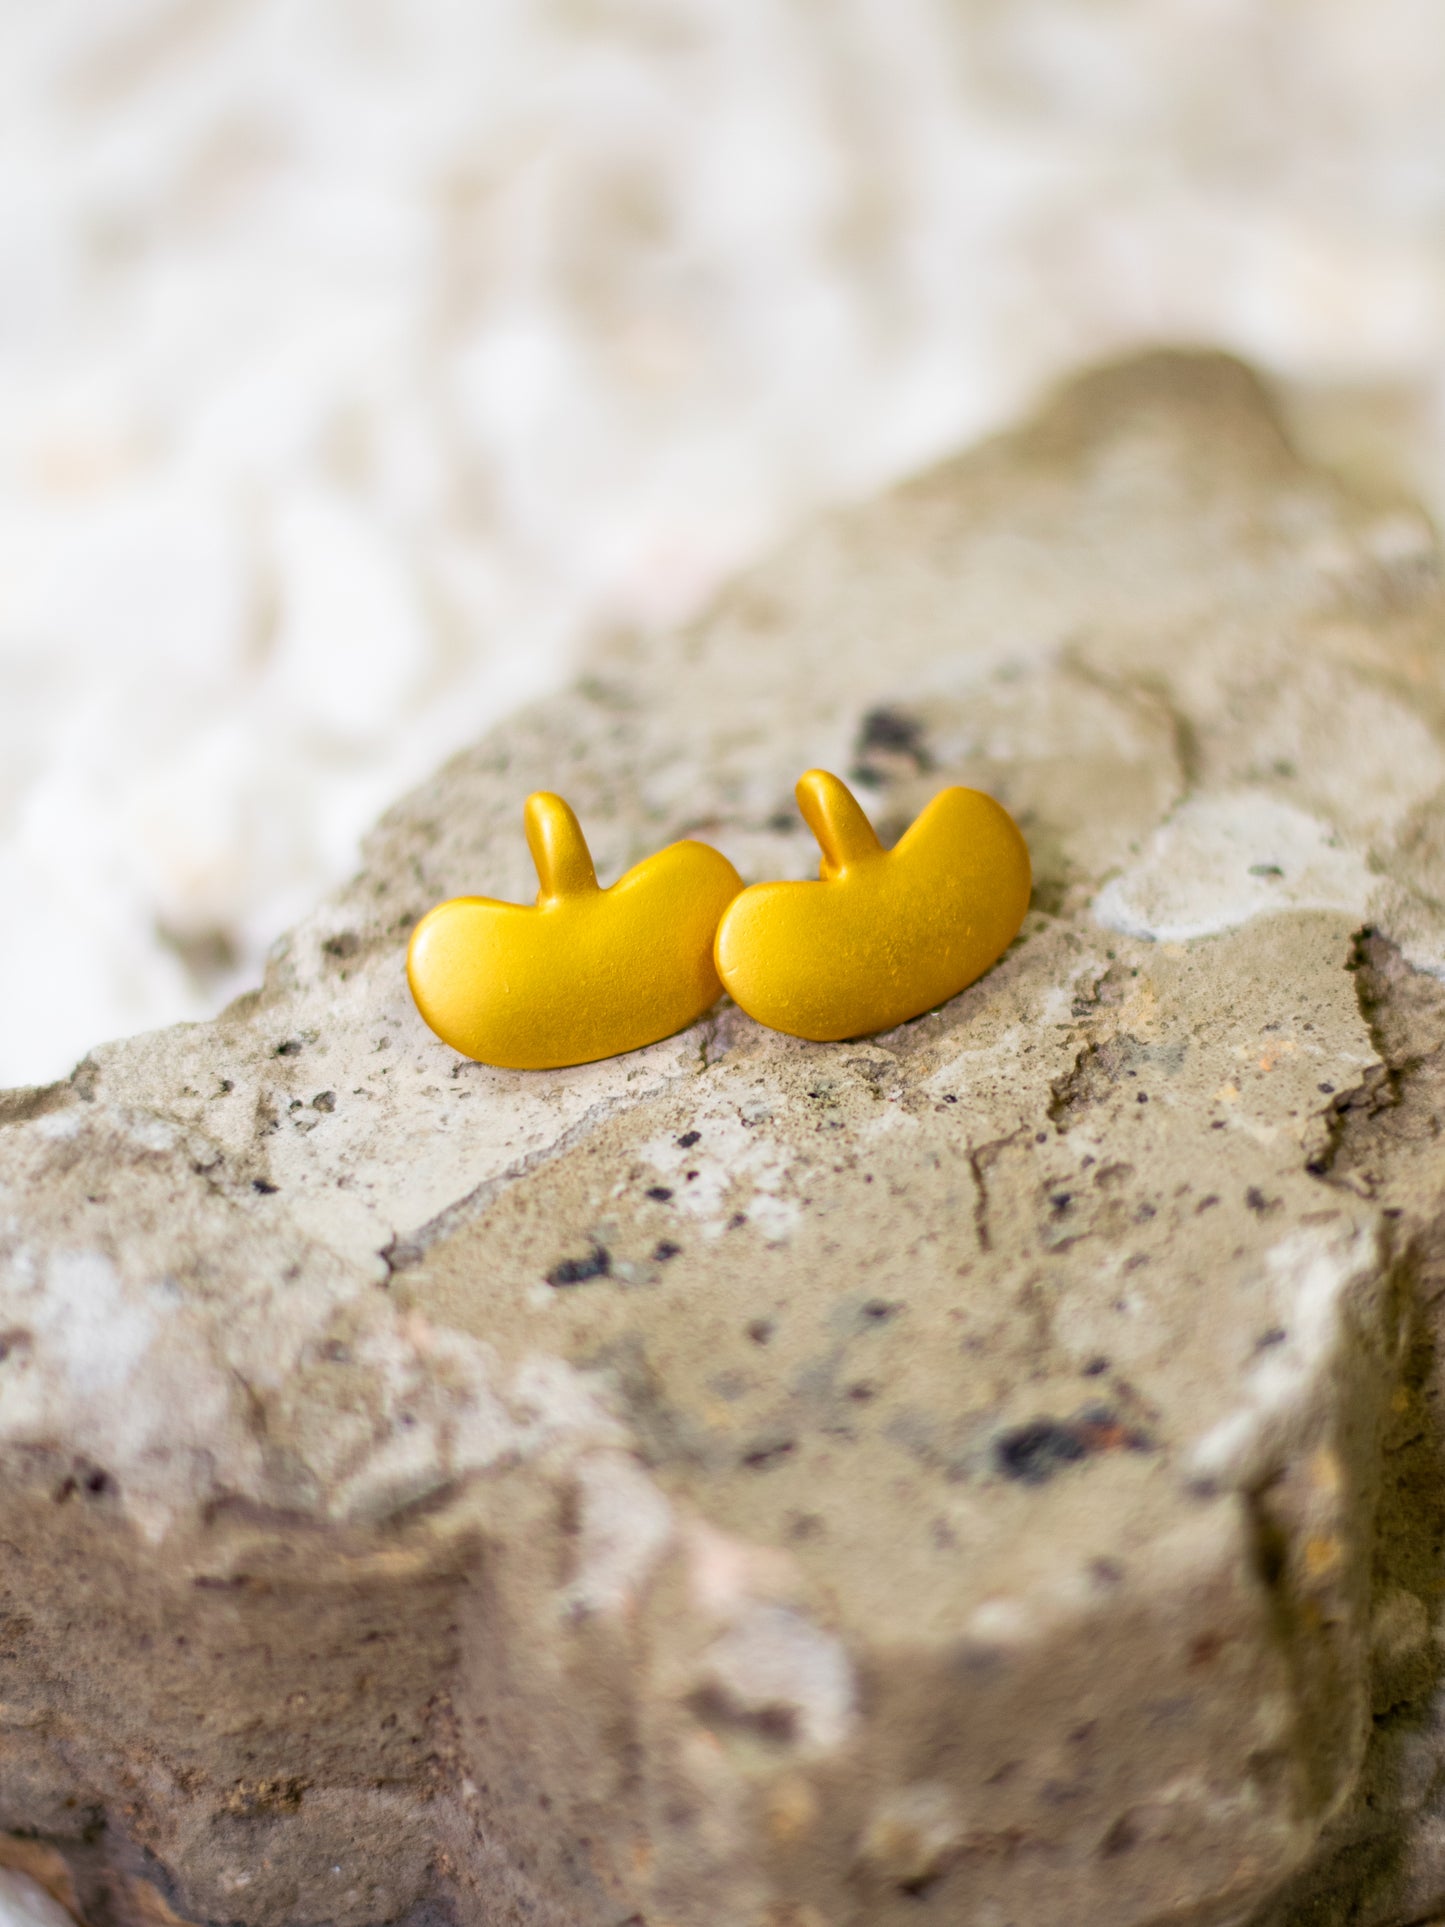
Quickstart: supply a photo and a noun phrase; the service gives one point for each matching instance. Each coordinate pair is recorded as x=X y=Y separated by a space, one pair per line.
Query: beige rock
x=987 y=1468
x=913 y=1834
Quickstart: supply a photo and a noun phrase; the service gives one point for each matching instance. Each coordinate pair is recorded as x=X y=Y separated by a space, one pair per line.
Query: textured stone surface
x=983 y=1473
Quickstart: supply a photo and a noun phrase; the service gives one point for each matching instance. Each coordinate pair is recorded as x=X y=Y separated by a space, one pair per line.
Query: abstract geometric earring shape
x=884 y=934
x=586 y=972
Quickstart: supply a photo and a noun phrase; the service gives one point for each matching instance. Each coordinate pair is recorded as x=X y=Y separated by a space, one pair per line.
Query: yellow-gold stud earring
x=884 y=934
x=583 y=973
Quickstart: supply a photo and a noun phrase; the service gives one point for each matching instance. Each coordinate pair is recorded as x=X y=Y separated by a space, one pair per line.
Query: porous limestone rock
x=984 y=1473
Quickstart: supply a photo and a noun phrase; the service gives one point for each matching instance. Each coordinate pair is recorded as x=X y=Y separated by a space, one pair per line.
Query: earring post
x=834 y=815
x=559 y=849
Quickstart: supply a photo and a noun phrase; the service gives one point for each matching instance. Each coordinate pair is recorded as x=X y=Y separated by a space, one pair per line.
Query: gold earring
x=586 y=972
x=884 y=934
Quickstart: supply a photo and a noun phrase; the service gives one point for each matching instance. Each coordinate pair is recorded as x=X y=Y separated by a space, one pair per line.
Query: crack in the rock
x=980 y=1201
x=1188 y=753
x=405 y=1250
x=1389 y=1106
x=980 y=1158
x=1383 y=1144
x=1377 y=1090
x=1184 y=736
x=1103 y=1066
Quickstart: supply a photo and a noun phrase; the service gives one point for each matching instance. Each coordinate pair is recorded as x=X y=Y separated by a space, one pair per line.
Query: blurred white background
x=360 y=358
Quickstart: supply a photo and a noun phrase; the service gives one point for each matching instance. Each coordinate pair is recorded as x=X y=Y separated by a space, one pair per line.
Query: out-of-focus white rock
x=357 y=363
x=25 y=1903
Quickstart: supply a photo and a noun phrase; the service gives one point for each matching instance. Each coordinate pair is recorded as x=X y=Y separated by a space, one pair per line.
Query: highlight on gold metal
x=883 y=935
x=584 y=972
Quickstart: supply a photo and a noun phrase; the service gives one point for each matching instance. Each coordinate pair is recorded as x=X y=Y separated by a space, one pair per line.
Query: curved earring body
x=883 y=935
x=585 y=972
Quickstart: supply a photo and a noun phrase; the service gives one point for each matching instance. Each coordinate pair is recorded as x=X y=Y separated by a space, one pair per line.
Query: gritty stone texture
x=985 y=1473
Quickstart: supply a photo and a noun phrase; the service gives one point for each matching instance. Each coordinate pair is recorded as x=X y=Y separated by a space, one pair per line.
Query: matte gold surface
x=884 y=934
x=584 y=973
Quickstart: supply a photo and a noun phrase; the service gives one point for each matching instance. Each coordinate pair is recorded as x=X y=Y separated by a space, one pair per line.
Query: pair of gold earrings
x=882 y=936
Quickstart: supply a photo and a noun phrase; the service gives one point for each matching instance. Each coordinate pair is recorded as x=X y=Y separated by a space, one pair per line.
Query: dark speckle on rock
x=577 y=1271
x=688 y=1139
x=887 y=729
x=663 y=1250
x=1120 y=1838
x=660 y=1193
x=889 y=744
x=1034 y=1452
